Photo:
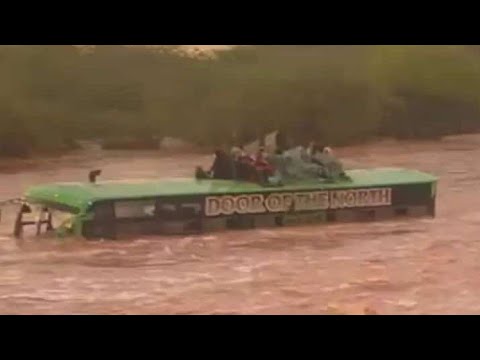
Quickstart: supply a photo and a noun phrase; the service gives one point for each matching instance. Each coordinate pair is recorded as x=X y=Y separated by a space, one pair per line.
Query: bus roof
x=78 y=196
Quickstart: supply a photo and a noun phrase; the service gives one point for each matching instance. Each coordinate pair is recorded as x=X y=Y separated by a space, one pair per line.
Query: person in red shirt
x=263 y=167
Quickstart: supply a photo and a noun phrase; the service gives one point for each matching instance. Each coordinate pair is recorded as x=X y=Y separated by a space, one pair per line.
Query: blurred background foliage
x=51 y=96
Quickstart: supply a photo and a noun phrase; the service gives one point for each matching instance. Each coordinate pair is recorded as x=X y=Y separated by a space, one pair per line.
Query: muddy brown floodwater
x=420 y=266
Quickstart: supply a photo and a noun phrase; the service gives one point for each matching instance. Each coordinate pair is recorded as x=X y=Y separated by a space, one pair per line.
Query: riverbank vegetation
x=52 y=95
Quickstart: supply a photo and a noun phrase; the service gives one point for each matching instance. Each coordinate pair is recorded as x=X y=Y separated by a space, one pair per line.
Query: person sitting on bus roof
x=236 y=152
x=261 y=162
x=312 y=147
x=244 y=169
x=245 y=157
x=263 y=167
x=244 y=165
x=304 y=153
x=327 y=150
x=331 y=167
x=222 y=167
x=316 y=155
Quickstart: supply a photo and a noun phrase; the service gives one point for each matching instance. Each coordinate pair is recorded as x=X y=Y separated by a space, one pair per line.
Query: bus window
x=171 y=211
x=104 y=224
x=189 y=211
x=134 y=209
x=167 y=211
x=104 y=211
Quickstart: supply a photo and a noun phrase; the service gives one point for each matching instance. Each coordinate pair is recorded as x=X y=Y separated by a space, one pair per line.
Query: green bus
x=112 y=210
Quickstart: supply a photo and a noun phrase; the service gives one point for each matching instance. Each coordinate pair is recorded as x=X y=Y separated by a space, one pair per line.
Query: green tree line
x=52 y=95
